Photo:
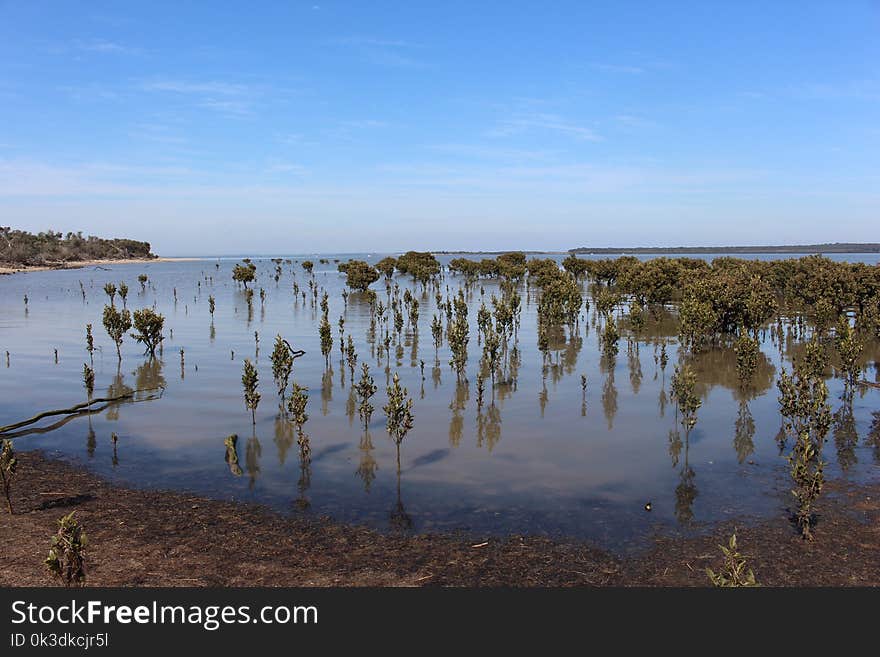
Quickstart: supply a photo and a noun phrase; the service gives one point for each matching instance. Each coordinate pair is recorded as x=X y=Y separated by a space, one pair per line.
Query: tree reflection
x=283 y=438
x=744 y=432
x=609 y=399
x=367 y=467
x=252 y=453
x=873 y=436
x=846 y=436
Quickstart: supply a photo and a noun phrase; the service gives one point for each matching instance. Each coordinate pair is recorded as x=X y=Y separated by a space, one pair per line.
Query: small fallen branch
x=863 y=382
x=76 y=408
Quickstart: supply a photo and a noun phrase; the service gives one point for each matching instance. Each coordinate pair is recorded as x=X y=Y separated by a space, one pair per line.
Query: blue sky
x=290 y=127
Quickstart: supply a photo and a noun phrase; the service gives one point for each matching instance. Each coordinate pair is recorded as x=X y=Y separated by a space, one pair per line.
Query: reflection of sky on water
x=511 y=468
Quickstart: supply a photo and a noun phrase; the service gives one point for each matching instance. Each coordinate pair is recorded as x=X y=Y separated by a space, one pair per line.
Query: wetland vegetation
x=519 y=395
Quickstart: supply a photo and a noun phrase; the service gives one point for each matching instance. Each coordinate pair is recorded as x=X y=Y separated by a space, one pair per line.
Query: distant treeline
x=836 y=247
x=21 y=248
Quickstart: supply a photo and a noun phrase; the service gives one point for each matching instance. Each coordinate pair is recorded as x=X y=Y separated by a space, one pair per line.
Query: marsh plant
x=123 y=293
x=8 y=467
x=110 y=291
x=148 y=324
x=211 y=306
x=747 y=352
x=282 y=365
x=89 y=380
x=326 y=334
x=803 y=401
x=849 y=348
x=250 y=381
x=733 y=572
x=365 y=389
x=142 y=279
x=90 y=343
x=116 y=323
x=67 y=553
x=398 y=413
x=683 y=384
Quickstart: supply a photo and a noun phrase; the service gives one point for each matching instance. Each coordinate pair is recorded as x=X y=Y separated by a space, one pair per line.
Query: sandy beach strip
x=80 y=264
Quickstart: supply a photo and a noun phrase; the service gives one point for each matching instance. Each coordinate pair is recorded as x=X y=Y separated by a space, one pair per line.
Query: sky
x=301 y=127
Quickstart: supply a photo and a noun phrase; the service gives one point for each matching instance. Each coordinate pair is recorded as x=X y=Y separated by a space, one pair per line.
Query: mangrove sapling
x=398 y=413
x=365 y=389
x=244 y=273
x=341 y=337
x=142 y=279
x=211 y=306
x=351 y=356
x=683 y=384
x=326 y=334
x=67 y=554
x=481 y=388
x=296 y=407
x=733 y=573
x=610 y=336
x=109 y=290
x=250 y=381
x=8 y=466
x=90 y=343
x=747 y=350
x=803 y=401
x=88 y=380
x=282 y=365
x=123 y=293
x=148 y=324
x=849 y=348
x=116 y=323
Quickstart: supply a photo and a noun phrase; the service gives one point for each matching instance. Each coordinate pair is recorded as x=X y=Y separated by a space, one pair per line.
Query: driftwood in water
x=863 y=382
x=73 y=410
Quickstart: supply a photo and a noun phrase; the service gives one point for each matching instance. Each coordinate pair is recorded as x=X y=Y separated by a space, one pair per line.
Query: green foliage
x=244 y=273
x=422 y=266
x=733 y=573
x=610 y=336
x=360 y=275
x=803 y=401
x=326 y=334
x=849 y=348
x=123 y=292
x=142 y=279
x=560 y=301
x=683 y=385
x=19 y=247
x=89 y=380
x=211 y=305
x=116 y=323
x=67 y=553
x=365 y=389
x=148 y=324
x=386 y=266
x=307 y=266
x=282 y=365
x=90 y=341
x=250 y=381
x=296 y=405
x=398 y=412
x=8 y=467
x=110 y=291
x=747 y=351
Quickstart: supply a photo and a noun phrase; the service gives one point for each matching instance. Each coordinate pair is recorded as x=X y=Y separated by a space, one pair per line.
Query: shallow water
x=539 y=461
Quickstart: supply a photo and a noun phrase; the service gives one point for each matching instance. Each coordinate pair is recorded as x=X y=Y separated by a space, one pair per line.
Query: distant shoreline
x=795 y=249
x=80 y=264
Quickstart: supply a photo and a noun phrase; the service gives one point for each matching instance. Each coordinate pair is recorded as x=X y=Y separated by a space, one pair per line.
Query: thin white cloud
x=104 y=46
x=619 y=68
x=171 y=85
x=551 y=122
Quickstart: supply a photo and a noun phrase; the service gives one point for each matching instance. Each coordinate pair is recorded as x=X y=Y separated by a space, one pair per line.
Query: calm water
x=539 y=461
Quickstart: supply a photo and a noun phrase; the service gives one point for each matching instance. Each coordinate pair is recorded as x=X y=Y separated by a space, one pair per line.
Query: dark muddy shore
x=155 y=538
